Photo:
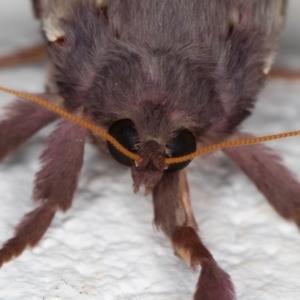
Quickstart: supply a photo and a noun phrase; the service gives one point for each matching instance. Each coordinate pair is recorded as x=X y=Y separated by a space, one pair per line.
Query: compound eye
x=125 y=133
x=182 y=144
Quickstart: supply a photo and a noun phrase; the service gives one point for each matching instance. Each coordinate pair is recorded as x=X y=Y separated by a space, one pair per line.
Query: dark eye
x=124 y=132
x=184 y=143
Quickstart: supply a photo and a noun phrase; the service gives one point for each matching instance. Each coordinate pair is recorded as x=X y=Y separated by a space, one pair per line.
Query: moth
x=164 y=77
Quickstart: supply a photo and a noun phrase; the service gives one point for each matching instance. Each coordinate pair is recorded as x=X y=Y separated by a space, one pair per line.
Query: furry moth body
x=155 y=74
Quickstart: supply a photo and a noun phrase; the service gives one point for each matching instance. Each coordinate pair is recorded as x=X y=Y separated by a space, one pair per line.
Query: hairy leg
x=184 y=198
x=55 y=186
x=23 y=119
x=173 y=215
x=213 y=283
x=285 y=74
x=274 y=180
x=29 y=55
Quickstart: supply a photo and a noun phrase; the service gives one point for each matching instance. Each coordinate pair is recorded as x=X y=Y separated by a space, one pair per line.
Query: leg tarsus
x=213 y=283
x=29 y=232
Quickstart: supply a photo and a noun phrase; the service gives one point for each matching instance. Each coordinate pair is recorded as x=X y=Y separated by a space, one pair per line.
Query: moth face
x=151 y=165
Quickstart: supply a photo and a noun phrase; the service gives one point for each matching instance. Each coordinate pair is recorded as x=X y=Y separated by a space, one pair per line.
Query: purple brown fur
x=157 y=75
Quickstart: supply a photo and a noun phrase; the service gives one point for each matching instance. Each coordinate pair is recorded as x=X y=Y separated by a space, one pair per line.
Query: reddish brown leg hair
x=213 y=283
x=283 y=73
x=263 y=166
x=173 y=215
x=24 y=56
x=23 y=119
x=29 y=55
x=55 y=186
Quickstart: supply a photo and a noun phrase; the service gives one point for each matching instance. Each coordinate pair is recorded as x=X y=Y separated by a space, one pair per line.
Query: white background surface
x=105 y=246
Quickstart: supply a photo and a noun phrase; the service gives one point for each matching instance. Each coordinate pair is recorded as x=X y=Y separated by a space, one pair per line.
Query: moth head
x=152 y=151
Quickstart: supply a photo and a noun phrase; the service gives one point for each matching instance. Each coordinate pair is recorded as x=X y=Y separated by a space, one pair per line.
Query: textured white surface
x=105 y=246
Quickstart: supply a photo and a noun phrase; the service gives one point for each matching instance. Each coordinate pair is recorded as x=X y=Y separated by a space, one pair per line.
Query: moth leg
x=55 y=185
x=173 y=215
x=284 y=73
x=23 y=119
x=213 y=283
x=184 y=198
x=29 y=55
x=264 y=167
x=32 y=54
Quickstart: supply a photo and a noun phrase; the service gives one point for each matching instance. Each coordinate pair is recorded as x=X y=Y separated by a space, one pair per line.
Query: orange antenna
x=232 y=143
x=134 y=156
x=72 y=118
